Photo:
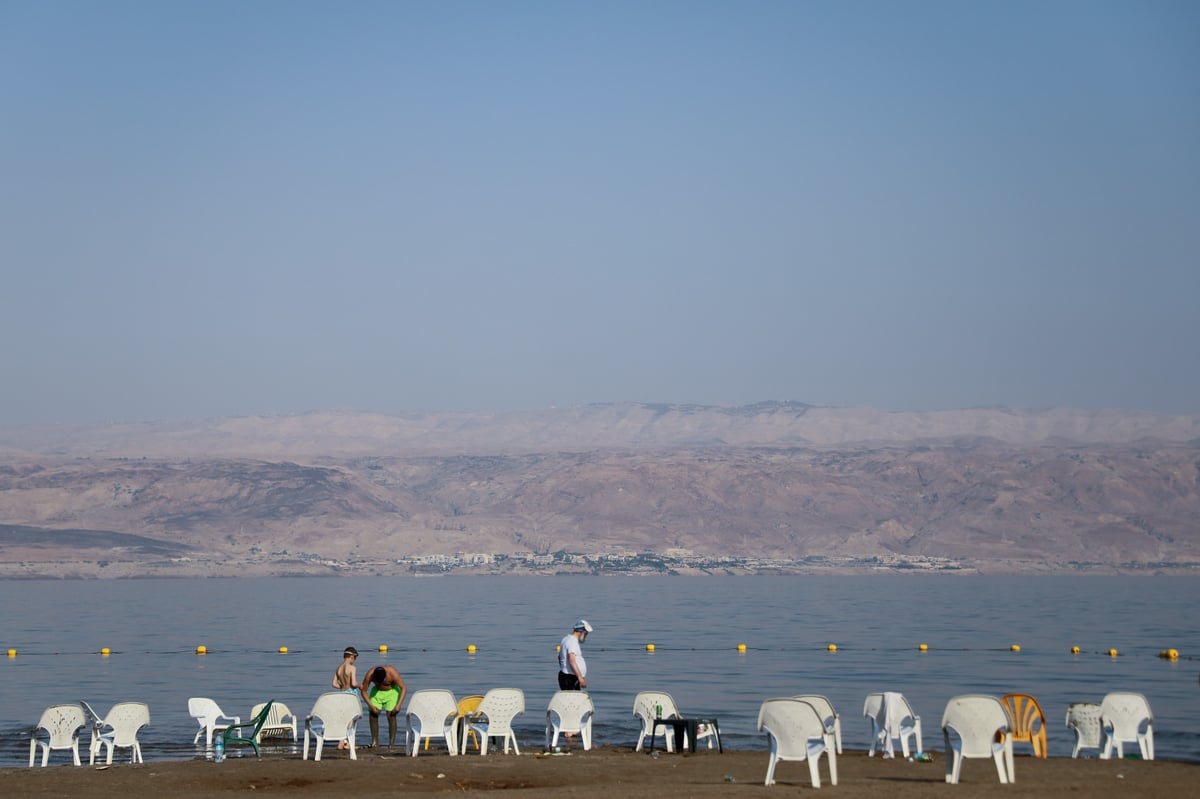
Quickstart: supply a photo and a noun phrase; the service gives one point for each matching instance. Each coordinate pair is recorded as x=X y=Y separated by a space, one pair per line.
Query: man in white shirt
x=572 y=668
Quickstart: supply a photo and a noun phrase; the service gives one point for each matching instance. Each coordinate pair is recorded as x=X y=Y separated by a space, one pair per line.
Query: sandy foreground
x=608 y=772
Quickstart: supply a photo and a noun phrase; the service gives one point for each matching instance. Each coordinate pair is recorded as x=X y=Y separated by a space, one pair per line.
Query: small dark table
x=684 y=727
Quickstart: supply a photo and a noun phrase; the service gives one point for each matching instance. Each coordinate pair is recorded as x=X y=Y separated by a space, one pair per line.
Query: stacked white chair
x=333 y=718
x=833 y=723
x=796 y=731
x=431 y=713
x=569 y=712
x=493 y=718
x=1126 y=718
x=975 y=725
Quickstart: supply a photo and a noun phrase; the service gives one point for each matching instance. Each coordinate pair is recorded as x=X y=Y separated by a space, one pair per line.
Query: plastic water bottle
x=219 y=749
x=658 y=711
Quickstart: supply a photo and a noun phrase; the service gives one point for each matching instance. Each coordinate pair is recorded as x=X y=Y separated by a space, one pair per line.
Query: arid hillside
x=995 y=490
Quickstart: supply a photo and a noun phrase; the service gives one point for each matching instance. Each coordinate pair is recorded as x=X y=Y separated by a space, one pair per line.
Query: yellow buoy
x=924 y=647
x=12 y=653
x=283 y=650
x=1112 y=653
x=202 y=650
x=1169 y=654
x=1074 y=650
x=1015 y=648
x=832 y=647
x=741 y=647
x=649 y=647
x=558 y=647
x=383 y=647
x=471 y=648
x=105 y=651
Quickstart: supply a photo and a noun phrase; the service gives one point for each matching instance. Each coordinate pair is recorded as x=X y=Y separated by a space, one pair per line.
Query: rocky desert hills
x=339 y=492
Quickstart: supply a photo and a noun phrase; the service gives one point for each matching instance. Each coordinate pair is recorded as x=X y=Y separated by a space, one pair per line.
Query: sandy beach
x=605 y=773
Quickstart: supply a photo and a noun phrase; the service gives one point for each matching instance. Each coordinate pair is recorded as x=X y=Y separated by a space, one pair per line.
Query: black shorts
x=568 y=682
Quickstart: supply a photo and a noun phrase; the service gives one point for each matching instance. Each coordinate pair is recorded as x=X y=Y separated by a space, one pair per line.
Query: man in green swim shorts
x=383 y=691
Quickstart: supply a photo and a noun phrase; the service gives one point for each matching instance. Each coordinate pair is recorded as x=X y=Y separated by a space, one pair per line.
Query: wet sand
x=604 y=773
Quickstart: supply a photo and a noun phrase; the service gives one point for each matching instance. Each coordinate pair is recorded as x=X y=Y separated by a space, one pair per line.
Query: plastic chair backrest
x=469 y=704
x=976 y=719
x=823 y=706
x=569 y=711
x=203 y=709
x=63 y=723
x=1026 y=720
x=1126 y=715
x=433 y=709
x=1084 y=719
x=792 y=723
x=646 y=704
x=126 y=720
x=280 y=720
x=335 y=711
x=501 y=706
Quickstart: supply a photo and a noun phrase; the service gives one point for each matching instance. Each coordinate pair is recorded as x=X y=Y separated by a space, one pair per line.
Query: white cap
x=582 y=624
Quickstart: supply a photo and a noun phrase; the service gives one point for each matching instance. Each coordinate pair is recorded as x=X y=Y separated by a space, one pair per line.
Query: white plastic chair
x=833 y=723
x=494 y=718
x=891 y=717
x=210 y=717
x=333 y=718
x=646 y=705
x=431 y=713
x=1083 y=718
x=980 y=728
x=119 y=729
x=569 y=711
x=280 y=723
x=62 y=724
x=1126 y=718
x=796 y=731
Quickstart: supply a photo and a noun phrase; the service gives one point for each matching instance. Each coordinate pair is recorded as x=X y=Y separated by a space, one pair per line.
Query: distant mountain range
x=1001 y=489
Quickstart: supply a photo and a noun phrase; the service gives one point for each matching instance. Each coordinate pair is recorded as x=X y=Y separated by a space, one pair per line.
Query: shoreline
x=595 y=774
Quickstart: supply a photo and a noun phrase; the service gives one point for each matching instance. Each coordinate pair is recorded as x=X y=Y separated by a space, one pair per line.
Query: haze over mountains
x=996 y=489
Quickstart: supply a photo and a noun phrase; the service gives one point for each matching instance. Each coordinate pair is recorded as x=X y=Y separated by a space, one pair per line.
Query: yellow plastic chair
x=1027 y=720
x=468 y=704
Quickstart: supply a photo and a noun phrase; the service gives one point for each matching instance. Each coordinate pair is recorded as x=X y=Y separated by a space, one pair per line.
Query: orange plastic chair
x=1028 y=721
x=467 y=705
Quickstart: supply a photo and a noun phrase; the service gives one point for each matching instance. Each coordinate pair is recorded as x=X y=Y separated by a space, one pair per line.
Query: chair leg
x=813 y=771
x=771 y=770
x=998 y=756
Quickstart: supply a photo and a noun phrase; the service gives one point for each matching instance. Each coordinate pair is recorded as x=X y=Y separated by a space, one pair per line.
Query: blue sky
x=235 y=208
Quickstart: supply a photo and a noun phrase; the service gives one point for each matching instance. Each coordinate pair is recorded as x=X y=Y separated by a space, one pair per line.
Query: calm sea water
x=153 y=627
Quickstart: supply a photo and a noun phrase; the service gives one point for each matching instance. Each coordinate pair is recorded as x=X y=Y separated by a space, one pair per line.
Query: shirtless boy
x=346 y=678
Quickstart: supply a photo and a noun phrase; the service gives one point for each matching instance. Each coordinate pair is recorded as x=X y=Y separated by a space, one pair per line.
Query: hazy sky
x=258 y=207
